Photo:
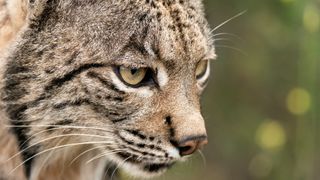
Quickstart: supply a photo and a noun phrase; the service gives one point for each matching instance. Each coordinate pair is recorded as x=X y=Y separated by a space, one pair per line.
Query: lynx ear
x=13 y=18
x=17 y=11
x=21 y=10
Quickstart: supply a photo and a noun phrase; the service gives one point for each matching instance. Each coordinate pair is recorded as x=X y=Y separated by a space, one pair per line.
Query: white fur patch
x=162 y=76
x=173 y=152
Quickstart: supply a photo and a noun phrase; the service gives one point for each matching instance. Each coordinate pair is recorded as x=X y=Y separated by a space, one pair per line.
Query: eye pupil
x=134 y=71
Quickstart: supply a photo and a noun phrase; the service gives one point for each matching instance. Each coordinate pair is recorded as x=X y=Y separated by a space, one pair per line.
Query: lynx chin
x=91 y=86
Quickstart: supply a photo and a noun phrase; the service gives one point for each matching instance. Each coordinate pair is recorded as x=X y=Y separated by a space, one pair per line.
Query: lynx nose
x=191 y=144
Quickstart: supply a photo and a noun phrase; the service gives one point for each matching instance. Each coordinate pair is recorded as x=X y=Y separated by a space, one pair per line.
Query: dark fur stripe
x=142 y=146
x=14 y=89
x=115 y=120
x=15 y=112
x=65 y=104
x=136 y=133
x=143 y=152
x=149 y=167
x=104 y=81
x=136 y=155
x=58 y=82
x=109 y=113
x=137 y=39
x=156 y=167
x=136 y=45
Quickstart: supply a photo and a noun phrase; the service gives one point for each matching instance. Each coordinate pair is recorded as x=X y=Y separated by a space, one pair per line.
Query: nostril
x=191 y=144
x=186 y=150
x=168 y=120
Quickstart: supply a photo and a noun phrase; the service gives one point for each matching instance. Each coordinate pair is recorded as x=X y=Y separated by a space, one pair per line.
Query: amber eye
x=201 y=69
x=132 y=76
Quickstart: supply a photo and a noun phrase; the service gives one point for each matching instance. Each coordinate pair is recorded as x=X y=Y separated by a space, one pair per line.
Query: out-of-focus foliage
x=262 y=106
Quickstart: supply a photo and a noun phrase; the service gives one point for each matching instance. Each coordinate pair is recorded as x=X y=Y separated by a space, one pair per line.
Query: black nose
x=190 y=144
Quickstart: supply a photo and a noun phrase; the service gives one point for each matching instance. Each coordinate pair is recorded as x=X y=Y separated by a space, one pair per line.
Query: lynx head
x=123 y=76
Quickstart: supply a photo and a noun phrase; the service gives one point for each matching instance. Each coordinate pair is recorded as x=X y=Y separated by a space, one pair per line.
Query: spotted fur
x=64 y=103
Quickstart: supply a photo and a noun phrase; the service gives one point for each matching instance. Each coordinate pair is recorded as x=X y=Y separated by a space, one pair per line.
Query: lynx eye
x=132 y=76
x=201 y=69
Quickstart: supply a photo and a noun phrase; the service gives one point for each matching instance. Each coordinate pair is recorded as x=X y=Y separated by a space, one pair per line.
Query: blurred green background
x=262 y=106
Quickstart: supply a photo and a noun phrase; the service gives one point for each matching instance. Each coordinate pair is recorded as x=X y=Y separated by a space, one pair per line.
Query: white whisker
x=104 y=154
x=47 y=130
x=81 y=154
x=54 y=137
x=203 y=158
x=227 y=34
x=64 y=126
x=58 y=147
x=233 y=48
x=228 y=20
x=48 y=157
x=139 y=158
x=118 y=166
x=222 y=39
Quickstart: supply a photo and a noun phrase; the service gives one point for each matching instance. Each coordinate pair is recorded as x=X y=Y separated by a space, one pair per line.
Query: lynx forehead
x=113 y=82
x=182 y=30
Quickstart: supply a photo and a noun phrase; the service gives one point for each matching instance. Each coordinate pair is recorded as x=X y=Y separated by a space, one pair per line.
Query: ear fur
x=36 y=7
x=17 y=10
x=13 y=18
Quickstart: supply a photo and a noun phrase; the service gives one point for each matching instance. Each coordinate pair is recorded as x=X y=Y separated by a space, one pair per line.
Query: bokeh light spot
x=260 y=166
x=298 y=101
x=311 y=19
x=271 y=135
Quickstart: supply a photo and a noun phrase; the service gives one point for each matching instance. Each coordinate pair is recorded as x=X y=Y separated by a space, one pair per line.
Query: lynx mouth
x=146 y=165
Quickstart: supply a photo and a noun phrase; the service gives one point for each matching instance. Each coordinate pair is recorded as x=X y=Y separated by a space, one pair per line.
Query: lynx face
x=121 y=77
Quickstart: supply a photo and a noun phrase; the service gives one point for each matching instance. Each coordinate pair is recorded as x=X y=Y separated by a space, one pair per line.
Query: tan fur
x=68 y=171
x=60 y=72
x=8 y=148
x=12 y=18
